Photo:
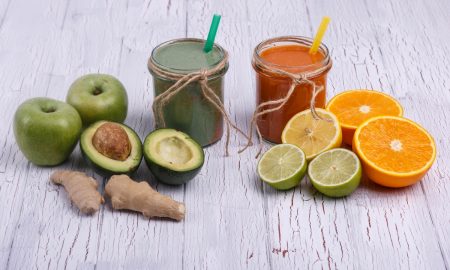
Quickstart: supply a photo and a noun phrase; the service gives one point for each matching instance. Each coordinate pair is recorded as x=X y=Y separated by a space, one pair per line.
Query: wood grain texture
x=233 y=221
x=425 y=89
x=227 y=200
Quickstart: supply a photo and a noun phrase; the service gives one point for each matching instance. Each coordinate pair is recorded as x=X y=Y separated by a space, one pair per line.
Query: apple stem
x=97 y=91
x=49 y=109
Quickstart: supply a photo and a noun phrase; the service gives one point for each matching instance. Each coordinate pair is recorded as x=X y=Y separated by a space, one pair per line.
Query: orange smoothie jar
x=289 y=54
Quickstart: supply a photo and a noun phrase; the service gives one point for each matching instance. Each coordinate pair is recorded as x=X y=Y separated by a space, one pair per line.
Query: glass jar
x=285 y=53
x=189 y=111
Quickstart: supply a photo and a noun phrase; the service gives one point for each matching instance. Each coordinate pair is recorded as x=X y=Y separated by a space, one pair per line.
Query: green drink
x=188 y=110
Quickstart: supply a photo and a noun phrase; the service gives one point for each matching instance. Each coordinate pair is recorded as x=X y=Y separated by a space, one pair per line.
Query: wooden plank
x=50 y=232
x=227 y=227
x=129 y=240
x=26 y=71
x=415 y=31
x=373 y=228
x=4 y=7
x=233 y=221
x=303 y=227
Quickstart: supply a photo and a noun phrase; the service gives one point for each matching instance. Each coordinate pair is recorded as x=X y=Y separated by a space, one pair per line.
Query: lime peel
x=336 y=172
x=283 y=166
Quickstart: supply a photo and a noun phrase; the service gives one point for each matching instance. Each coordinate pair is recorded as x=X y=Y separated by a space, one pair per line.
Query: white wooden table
x=233 y=221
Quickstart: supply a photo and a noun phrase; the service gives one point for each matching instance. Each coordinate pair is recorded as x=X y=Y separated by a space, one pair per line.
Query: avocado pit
x=112 y=141
x=111 y=148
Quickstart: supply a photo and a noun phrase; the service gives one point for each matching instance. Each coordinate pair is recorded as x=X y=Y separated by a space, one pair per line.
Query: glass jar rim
x=301 y=40
x=178 y=40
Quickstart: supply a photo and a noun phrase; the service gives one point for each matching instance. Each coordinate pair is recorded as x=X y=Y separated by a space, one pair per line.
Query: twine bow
x=182 y=80
x=297 y=79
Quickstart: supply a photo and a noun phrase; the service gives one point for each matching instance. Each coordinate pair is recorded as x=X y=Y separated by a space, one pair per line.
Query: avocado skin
x=171 y=177
x=104 y=172
x=164 y=174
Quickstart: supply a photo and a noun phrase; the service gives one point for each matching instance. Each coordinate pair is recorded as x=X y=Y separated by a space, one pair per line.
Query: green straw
x=212 y=33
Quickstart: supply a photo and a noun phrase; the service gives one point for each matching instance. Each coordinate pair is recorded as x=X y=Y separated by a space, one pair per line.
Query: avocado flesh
x=172 y=156
x=105 y=164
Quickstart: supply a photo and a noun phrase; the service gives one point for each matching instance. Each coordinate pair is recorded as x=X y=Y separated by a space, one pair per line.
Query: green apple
x=98 y=97
x=46 y=130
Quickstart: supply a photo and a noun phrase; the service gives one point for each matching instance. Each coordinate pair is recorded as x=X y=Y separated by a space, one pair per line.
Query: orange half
x=353 y=107
x=395 y=151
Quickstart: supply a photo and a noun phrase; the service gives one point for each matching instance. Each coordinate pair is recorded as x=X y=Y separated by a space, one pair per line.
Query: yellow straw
x=319 y=35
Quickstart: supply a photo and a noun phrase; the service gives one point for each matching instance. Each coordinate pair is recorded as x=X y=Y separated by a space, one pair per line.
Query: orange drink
x=288 y=54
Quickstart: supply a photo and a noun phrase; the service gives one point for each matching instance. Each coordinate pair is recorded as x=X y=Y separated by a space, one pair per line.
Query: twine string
x=275 y=105
x=181 y=82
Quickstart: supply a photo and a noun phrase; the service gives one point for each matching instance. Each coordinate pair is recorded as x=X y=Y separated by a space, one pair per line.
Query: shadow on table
x=308 y=192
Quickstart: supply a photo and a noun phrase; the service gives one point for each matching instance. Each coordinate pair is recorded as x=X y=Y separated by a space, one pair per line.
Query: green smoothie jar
x=189 y=110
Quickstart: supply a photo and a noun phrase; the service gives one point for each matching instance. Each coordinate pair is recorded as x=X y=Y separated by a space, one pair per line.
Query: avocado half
x=105 y=165
x=172 y=156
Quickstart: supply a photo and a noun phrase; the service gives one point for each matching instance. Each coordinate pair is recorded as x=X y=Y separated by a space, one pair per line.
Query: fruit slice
x=172 y=156
x=282 y=166
x=395 y=152
x=312 y=135
x=353 y=107
x=106 y=164
x=335 y=173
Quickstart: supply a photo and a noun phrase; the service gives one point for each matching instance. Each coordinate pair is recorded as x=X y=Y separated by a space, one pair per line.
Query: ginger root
x=82 y=190
x=128 y=194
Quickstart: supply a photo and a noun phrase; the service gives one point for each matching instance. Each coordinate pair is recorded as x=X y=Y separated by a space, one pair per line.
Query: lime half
x=336 y=172
x=282 y=166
